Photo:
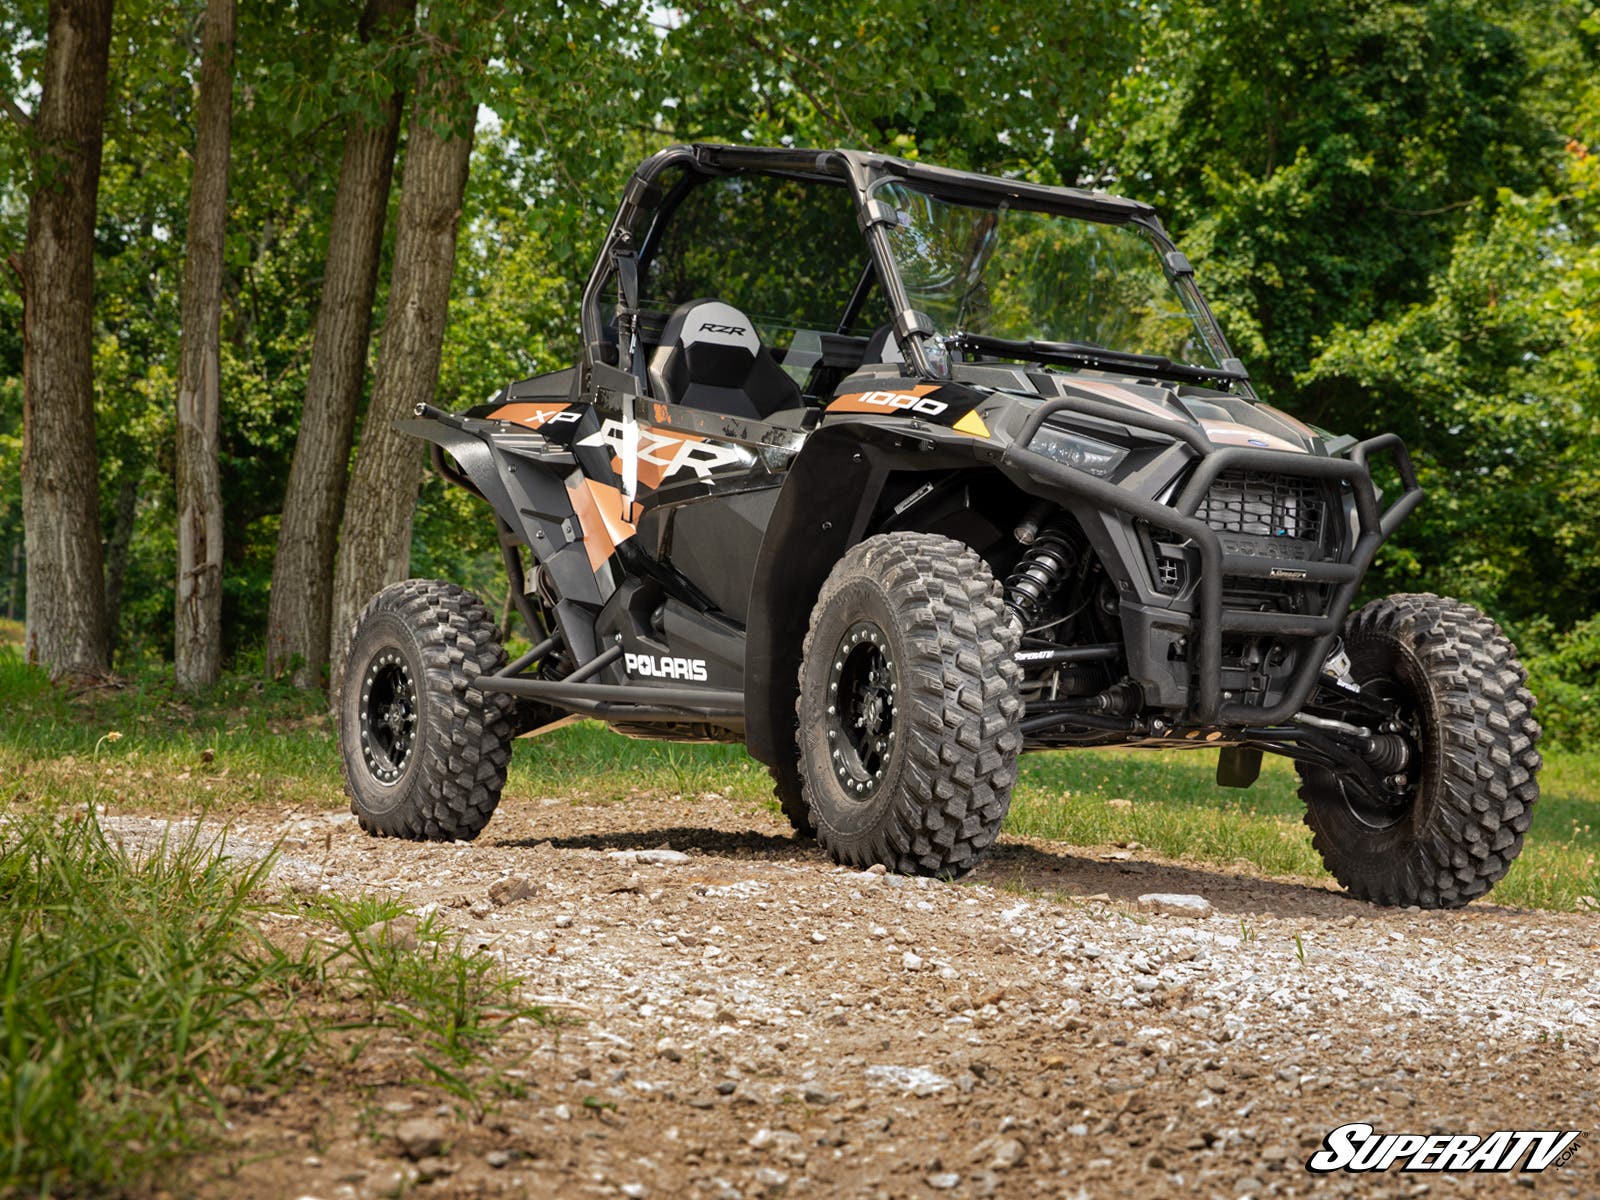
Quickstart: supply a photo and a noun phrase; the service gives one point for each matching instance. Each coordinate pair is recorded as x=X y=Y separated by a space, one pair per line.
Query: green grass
x=135 y=991
x=271 y=745
x=139 y=996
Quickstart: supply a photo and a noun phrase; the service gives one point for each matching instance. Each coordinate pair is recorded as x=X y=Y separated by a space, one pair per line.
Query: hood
x=1226 y=419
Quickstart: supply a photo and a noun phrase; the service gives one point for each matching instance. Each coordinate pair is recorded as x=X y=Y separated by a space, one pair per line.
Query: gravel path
x=751 y=1021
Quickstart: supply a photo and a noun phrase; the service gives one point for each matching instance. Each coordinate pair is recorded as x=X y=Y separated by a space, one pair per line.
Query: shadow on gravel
x=1015 y=866
x=721 y=842
x=1027 y=867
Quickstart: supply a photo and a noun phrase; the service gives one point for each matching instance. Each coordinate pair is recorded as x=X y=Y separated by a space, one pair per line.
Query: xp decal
x=536 y=415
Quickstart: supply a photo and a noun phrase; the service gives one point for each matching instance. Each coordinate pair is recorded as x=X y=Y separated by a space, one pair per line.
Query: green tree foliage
x=986 y=86
x=1317 y=157
x=1494 y=379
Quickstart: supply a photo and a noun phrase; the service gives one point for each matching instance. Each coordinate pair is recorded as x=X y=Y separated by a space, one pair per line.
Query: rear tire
x=908 y=708
x=1476 y=769
x=425 y=751
x=789 y=792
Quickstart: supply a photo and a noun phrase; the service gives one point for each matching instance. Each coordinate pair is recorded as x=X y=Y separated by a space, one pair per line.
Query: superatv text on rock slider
x=893 y=472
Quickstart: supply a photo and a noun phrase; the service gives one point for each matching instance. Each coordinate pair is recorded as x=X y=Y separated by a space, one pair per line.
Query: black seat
x=882 y=347
x=711 y=357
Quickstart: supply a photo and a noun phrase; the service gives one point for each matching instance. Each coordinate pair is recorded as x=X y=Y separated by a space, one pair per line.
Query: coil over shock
x=1039 y=574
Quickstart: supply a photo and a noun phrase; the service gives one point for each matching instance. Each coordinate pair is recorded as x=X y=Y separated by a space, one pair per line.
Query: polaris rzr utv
x=893 y=472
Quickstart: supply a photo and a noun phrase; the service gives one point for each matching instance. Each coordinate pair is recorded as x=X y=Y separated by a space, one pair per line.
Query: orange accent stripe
x=598 y=507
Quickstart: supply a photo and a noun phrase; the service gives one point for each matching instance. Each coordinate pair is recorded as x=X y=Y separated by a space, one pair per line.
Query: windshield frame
x=1227 y=370
x=863 y=172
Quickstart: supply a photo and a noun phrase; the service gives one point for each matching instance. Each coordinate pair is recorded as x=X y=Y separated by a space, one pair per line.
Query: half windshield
x=1028 y=276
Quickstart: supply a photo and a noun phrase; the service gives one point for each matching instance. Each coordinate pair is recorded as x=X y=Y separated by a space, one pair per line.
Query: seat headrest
x=882 y=347
x=711 y=357
x=711 y=322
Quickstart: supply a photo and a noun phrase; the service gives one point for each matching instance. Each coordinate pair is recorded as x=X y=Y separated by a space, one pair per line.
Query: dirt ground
x=747 y=1020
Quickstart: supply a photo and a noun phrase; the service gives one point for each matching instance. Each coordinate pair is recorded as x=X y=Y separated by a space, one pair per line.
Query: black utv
x=892 y=472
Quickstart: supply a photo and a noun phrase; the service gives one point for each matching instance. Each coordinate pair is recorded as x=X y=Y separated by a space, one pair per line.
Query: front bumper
x=1200 y=628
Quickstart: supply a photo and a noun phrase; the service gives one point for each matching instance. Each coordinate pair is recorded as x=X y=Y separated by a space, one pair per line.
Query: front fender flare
x=827 y=504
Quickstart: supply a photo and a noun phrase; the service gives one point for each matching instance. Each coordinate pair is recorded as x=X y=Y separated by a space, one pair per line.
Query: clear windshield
x=1032 y=276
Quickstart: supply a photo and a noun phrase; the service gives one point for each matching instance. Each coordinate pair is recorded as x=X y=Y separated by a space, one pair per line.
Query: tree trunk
x=375 y=537
x=197 y=636
x=300 y=605
x=66 y=617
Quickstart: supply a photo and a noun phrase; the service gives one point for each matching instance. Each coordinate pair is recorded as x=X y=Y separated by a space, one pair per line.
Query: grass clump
x=412 y=976
x=140 y=999
x=135 y=989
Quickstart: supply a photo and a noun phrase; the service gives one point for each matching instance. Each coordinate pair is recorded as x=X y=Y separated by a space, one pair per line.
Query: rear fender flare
x=533 y=500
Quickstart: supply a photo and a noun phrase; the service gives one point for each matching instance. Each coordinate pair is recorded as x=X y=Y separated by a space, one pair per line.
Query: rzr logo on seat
x=902 y=401
x=711 y=327
x=664 y=667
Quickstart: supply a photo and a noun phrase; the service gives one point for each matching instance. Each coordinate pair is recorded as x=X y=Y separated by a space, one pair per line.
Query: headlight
x=1077 y=451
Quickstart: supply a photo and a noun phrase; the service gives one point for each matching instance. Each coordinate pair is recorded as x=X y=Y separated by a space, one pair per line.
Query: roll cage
x=633 y=236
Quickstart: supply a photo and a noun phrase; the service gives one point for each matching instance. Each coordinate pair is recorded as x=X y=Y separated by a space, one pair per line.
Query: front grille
x=1258 y=514
x=1266 y=505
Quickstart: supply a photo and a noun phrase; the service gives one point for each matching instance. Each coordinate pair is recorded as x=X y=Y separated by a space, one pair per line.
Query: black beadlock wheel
x=1452 y=829
x=908 y=709
x=424 y=750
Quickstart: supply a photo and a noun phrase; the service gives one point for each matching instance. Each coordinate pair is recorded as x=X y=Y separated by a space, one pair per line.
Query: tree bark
x=375 y=537
x=197 y=635
x=301 y=601
x=66 y=619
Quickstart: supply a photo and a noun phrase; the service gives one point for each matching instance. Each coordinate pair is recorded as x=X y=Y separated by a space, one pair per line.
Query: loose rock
x=1174 y=905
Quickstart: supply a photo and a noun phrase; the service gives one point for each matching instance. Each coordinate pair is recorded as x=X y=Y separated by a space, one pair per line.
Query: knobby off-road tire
x=425 y=752
x=908 y=708
x=789 y=791
x=1458 y=680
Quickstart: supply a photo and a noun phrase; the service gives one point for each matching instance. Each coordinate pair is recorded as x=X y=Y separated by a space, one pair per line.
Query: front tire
x=1474 y=779
x=908 y=709
x=425 y=750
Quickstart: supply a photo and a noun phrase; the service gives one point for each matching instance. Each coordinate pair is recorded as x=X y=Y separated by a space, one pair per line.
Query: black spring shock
x=1039 y=574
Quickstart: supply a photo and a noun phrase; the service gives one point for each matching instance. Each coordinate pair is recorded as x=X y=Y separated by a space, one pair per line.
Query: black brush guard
x=1211 y=619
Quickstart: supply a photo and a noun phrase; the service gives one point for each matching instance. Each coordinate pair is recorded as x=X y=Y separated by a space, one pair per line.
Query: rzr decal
x=534 y=414
x=917 y=400
x=663 y=455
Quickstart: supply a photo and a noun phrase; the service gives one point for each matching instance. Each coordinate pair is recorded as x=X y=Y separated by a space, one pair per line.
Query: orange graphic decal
x=599 y=510
x=533 y=414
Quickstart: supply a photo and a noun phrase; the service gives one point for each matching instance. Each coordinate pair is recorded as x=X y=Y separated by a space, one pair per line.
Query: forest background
x=240 y=236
